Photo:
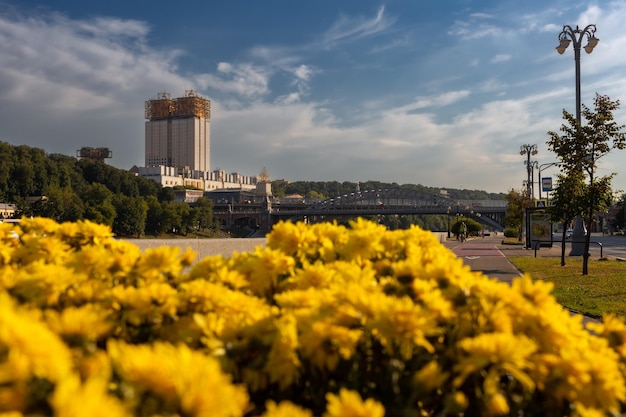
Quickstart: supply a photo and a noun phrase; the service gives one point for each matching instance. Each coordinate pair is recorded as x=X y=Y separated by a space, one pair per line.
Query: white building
x=178 y=131
x=178 y=145
x=207 y=181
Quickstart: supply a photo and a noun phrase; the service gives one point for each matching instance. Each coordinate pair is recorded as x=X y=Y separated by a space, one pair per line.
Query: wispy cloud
x=348 y=28
x=243 y=79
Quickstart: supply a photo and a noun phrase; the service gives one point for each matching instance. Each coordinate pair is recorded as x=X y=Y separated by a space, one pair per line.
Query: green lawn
x=601 y=292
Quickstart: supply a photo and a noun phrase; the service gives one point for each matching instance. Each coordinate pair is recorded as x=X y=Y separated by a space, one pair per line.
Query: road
x=607 y=245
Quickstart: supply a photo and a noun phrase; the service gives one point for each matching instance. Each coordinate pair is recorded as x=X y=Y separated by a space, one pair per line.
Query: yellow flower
x=613 y=329
x=363 y=241
x=161 y=262
x=32 y=347
x=94 y=399
x=86 y=322
x=324 y=343
x=285 y=409
x=402 y=326
x=511 y=353
x=430 y=377
x=350 y=404
x=264 y=269
x=497 y=405
x=282 y=360
x=184 y=379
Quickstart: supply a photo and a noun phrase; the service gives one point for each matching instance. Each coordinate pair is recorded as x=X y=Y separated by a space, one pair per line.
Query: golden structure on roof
x=264 y=175
x=191 y=105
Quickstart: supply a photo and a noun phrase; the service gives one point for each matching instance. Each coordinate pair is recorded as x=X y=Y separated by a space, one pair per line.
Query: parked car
x=569 y=233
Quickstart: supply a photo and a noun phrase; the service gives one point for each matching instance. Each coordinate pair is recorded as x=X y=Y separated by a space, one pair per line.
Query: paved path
x=489 y=256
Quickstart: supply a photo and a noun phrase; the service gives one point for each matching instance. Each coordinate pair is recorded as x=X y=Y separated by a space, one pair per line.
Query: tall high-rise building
x=178 y=132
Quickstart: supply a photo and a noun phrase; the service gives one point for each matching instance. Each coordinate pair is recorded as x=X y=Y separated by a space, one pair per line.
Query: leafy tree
x=154 y=215
x=99 y=207
x=203 y=209
x=580 y=147
x=567 y=203
x=518 y=202
x=61 y=204
x=186 y=218
x=171 y=219
x=131 y=215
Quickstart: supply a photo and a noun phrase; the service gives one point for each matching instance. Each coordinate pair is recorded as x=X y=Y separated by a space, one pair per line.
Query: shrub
x=511 y=232
x=325 y=320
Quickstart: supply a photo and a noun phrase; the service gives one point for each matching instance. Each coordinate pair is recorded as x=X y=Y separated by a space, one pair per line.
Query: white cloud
x=243 y=79
x=354 y=28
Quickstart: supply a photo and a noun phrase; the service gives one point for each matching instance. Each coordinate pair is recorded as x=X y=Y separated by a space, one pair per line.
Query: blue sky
x=436 y=93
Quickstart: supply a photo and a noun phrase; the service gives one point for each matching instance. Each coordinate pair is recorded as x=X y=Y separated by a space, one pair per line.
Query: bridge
x=388 y=201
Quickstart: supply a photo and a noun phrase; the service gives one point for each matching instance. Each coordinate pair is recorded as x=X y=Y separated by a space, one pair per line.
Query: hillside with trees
x=83 y=189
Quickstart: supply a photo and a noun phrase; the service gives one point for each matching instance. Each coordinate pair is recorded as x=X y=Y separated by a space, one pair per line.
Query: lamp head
x=593 y=41
x=563 y=44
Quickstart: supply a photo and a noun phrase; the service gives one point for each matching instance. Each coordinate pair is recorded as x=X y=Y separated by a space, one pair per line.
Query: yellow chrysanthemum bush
x=326 y=321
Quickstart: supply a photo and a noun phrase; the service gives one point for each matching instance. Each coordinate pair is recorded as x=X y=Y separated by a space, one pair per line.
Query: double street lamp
x=575 y=36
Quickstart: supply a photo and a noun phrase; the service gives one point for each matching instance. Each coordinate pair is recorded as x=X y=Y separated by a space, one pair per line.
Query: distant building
x=178 y=145
x=7 y=211
x=178 y=132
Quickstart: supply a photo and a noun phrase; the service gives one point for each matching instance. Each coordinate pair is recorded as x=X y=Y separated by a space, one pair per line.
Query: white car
x=569 y=233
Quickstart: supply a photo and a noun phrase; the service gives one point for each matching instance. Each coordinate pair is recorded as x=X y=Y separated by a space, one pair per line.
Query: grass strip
x=601 y=292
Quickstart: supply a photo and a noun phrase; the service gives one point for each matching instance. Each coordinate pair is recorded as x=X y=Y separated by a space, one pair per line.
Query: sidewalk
x=490 y=256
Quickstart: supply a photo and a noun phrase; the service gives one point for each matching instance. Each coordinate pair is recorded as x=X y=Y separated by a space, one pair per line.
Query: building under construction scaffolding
x=95 y=154
x=178 y=131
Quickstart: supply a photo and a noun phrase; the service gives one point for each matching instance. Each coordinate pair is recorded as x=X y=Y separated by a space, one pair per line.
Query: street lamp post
x=529 y=150
x=575 y=36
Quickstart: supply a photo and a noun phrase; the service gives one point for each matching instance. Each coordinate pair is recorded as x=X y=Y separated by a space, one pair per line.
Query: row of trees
x=84 y=189
x=329 y=189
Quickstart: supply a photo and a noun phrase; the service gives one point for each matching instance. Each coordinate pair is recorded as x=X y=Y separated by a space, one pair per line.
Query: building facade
x=178 y=132
x=178 y=145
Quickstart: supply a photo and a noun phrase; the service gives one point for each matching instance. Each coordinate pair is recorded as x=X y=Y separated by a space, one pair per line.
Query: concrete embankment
x=210 y=247
x=203 y=247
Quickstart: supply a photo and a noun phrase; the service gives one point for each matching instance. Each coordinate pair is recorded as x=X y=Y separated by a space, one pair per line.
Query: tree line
x=87 y=190
x=329 y=189
x=77 y=189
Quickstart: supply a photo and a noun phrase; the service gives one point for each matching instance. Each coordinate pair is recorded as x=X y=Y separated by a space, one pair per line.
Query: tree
x=98 y=204
x=518 y=202
x=203 y=209
x=567 y=203
x=154 y=215
x=580 y=147
x=131 y=215
x=61 y=204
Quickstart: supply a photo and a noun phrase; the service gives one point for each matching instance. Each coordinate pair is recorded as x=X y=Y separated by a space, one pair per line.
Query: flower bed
x=324 y=321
